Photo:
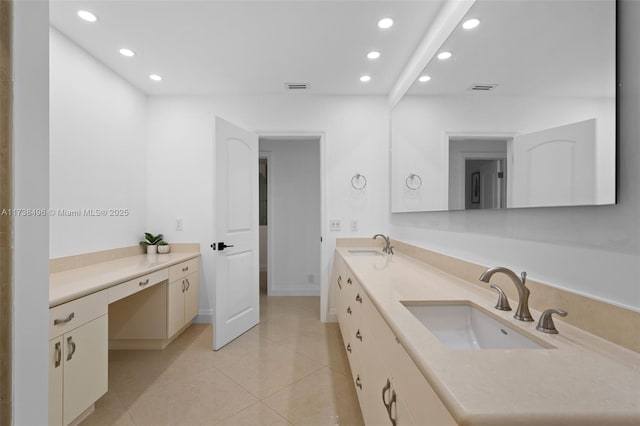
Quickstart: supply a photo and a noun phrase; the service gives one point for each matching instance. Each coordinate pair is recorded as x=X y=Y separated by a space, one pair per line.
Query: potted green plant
x=163 y=247
x=151 y=242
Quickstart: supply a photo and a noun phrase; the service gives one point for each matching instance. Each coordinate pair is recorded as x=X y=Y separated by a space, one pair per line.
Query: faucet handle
x=503 y=302
x=545 y=324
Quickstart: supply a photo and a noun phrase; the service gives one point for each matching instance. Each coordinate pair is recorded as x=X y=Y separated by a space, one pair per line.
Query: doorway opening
x=290 y=216
x=477 y=171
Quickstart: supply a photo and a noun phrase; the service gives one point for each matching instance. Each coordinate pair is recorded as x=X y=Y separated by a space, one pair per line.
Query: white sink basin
x=462 y=325
x=365 y=252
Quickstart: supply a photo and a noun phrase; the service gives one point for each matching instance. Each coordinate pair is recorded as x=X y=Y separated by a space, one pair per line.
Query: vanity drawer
x=66 y=317
x=183 y=269
x=125 y=289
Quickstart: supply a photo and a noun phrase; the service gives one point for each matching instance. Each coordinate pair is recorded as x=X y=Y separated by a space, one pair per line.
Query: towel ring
x=358 y=182
x=413 y=182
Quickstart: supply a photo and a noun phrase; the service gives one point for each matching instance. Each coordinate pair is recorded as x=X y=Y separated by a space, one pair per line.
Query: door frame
x=464 y=134
x=325 y=253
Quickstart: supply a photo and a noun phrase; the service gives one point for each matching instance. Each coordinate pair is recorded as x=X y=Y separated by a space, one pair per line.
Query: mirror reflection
x=520 y=114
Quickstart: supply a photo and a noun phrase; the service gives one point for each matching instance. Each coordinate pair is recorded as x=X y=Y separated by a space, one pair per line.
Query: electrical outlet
x=310 y=279
x=335 y=225
x=354 y=225
x=178 y=224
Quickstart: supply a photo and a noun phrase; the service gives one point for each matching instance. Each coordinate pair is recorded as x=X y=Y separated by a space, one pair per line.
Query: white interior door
x=236 y=287
x=554 y=167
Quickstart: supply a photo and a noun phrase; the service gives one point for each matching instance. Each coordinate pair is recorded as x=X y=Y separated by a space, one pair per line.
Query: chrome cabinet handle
x=72 y=347
x=188 y=284
x=392 y=403
x=358 y=298
x=349 y=310
x=358 y=335
x=143 y=283
x=64 y=321
x=183 y=286
x=349 y=347
x=386 y=388
x=185 y=269
x=358 y=382
x=58 y=358
x=340 y=281
x=349 y=281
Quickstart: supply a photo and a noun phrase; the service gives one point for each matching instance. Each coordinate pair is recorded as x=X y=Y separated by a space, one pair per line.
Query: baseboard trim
x=294 y=292
x=332 y=316
x=205 y=316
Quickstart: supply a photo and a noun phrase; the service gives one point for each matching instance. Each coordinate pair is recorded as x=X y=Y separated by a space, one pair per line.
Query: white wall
x=294 y=216
x=98 y=153
x=419 y=124
x=590 y=250
x=30 y=233
x=180 y=148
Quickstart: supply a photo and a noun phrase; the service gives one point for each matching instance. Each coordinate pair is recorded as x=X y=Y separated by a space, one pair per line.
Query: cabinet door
x=85 y=357
x=55 y=381
x=191 y=297
x=415 y=394
x=175 y=306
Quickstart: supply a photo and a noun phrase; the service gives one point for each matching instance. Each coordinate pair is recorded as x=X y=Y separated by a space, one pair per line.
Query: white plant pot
x=163 y=249
x=152 y=249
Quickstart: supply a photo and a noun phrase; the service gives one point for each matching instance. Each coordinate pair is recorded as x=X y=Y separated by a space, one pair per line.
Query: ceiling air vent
x=485 y=87
x=296 y=87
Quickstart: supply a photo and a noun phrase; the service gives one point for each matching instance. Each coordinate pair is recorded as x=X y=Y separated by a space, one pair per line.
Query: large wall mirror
x=521 y=114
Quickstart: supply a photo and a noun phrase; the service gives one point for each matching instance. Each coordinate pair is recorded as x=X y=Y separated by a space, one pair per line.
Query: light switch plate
x=178 y=224
x=335 y=225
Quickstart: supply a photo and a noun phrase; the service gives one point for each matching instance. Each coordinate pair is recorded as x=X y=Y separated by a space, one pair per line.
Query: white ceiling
x=249 y=47
x=530 y=47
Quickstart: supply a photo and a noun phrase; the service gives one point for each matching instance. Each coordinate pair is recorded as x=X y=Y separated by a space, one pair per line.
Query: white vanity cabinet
x=182 y=295
x=391 y=390
x=78 y=357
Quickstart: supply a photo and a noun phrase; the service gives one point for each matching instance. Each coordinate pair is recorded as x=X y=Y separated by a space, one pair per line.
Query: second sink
x=462 y=325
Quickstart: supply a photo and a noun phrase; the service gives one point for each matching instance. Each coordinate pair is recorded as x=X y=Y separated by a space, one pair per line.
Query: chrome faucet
x=387 y=243
x=522 y=311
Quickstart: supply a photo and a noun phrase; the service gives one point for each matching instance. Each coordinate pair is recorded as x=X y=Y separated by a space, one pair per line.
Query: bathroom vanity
x=136 y=301
x=407 y=371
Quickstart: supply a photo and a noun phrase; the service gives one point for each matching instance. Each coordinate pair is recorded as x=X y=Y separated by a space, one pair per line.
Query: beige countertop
x=74 y=283
x=583 y=380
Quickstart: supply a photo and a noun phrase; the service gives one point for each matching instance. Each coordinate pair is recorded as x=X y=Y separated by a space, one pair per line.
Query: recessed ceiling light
x=444 y=55
x=127 y=52
x=424 y=78
x=365 y=78
x=87 y=16
x=374 y=54
x=385 y=23
x=470 y=24
x=155 y=77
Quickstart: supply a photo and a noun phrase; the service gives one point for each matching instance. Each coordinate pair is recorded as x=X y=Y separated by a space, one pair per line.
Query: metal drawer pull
x=185 y=269
x=340 y=281
x=183 y=286
x=349 y=281
x=58 y=358
x=358 y=335
x=72 y=347
x=349 y=347
x=358 y=298
x=143 y=283
x=385 y=388
x=349 y=310
x=392 y=403
x=64 y=321
x=358 y=382
x=188 y=284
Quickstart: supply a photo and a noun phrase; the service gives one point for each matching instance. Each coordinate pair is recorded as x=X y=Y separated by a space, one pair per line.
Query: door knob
x=220 y=246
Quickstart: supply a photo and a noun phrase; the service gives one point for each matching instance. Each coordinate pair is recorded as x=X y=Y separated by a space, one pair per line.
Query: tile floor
x=291 y=369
